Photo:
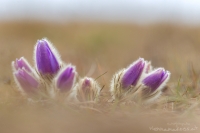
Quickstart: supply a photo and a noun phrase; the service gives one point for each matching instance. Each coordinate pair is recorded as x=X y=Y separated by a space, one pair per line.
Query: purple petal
x=22 y=63
x=66 y=79
x=133 y=73
x=28 y=83
x=45 y=58
x=155 y=79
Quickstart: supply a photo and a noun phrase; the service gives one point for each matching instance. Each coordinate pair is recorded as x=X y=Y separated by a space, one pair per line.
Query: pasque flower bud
x=21 y=63
x=156 y=79
x=139 y=77
x=133 y=73
x=128 y=79
x=66 y=78
x=46 y=57
x=86 y=90
x=25 y=76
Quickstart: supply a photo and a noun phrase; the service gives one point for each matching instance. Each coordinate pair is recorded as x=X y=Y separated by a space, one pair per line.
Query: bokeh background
x=97 y=36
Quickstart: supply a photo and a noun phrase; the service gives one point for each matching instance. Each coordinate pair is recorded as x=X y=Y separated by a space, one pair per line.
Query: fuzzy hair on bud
x=139 y=81
x=149 y=67
x=129 y=79
x=87 y=89
x=153 y=84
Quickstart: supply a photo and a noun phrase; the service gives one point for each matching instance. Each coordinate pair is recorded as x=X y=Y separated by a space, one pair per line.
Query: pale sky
x=138 y=11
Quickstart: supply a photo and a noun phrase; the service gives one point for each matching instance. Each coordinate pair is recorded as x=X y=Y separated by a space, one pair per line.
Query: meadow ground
x=96 y=49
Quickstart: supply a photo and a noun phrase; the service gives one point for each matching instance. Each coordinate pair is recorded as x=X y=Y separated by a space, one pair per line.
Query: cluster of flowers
x=139 y=80
x=52 y=77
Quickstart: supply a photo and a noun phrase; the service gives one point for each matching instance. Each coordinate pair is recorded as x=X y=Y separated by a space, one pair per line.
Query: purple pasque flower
x=46 y=57
x=26 y=81
x=66 y=78
x=156 y=79
x=133 y=73
x=21 y=63
x=24 y=75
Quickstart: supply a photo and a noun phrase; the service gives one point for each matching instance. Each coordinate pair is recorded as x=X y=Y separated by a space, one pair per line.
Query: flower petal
x=66 y=78
x=46 y=60
x=133 y=73
x=26 y=81
x=156 y=78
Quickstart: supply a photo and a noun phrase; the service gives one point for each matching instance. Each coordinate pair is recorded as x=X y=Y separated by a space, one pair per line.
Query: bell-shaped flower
x=66 y=78
x=46 y=58
x=26 y=81
x=86 y=90
x=156 y=80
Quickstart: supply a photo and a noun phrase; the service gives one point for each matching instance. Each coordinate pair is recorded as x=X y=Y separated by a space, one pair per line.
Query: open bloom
x=66 y=78
x=86 y=90
x=46 y=57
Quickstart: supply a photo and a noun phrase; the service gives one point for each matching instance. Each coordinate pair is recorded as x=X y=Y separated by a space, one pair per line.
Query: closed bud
x=46 y=57
x=156 y=80
x=66 y=78
x=133 y=73
x=21 y=63
x=26 y=81
x=86 y=90
x=128 y=79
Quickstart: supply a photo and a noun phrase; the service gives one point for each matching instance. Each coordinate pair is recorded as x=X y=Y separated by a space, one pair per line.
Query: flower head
x=138 y=81
x=26 y=81
x=156 y=79
x=47 y=60
x=133 y=73
x=50 y=75
x=25 y=76
x=127 y=80
x=21 y=63
x=66 y=78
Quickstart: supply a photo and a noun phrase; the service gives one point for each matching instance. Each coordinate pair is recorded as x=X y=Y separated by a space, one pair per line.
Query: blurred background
x=97 y=36
x=101 y=36
x=115 y=11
